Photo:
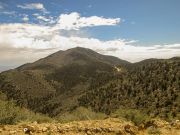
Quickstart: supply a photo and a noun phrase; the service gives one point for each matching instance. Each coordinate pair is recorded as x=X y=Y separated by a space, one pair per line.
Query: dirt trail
x=91 y=127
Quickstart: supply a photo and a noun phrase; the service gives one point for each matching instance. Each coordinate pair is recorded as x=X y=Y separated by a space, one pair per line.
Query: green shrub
x=79 y=114
x=133 y=115
x=154 y=131
x=8 y=113
x=29 y=116
x=11 y=114
x=3 y=96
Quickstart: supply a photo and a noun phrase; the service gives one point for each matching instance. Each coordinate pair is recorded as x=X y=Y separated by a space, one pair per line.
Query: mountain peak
x=74 y=55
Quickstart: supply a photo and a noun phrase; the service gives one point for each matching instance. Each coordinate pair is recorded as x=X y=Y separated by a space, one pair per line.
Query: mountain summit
x=76 y=55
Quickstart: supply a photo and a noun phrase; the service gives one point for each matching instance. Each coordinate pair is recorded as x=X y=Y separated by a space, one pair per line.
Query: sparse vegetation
x=154 y=131
x=12 y=114
x=79 y=114
x=136 y=116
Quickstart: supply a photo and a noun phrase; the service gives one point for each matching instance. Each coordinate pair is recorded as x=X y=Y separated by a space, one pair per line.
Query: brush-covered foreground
x=82 y=121
x=110 y=126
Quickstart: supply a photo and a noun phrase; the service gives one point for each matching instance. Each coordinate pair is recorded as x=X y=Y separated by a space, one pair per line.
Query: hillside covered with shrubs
x=61 y=83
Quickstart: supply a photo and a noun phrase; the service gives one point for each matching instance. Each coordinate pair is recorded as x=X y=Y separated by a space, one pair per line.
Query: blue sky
x=149 y=22
x=129 y=29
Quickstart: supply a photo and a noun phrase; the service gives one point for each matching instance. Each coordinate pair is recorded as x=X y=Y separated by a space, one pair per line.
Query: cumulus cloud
x=40 y=37
x=75 y=21
x=22 y=42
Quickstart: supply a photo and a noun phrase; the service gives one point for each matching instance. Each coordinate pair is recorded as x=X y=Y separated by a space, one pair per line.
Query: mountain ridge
x=81 y=77
x=116 y=59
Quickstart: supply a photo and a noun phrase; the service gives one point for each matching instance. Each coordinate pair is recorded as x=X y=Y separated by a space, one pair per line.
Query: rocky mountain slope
x=77 y=77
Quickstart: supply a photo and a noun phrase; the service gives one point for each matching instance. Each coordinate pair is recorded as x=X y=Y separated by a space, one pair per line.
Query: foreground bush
x=80 y=113
x=133 y=115
x=11 y=114
x=154 y=131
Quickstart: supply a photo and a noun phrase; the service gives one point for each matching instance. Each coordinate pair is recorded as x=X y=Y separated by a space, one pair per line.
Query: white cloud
x=38 y=6
x=41 y=37
x=25 y=18
x=22 y=42
x=8 y=13
x=43 y=18
x=32 y=6
x=75 y=21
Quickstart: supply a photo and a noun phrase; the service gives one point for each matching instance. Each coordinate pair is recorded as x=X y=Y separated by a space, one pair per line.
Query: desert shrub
x=26 y=115
x=8 y=113
x=136 y=116
x=79 y=114
x=153 y=131
x=12 y=114
x=3 y=96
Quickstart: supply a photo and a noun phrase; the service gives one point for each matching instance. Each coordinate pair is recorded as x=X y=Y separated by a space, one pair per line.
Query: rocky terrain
x=110 y=126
